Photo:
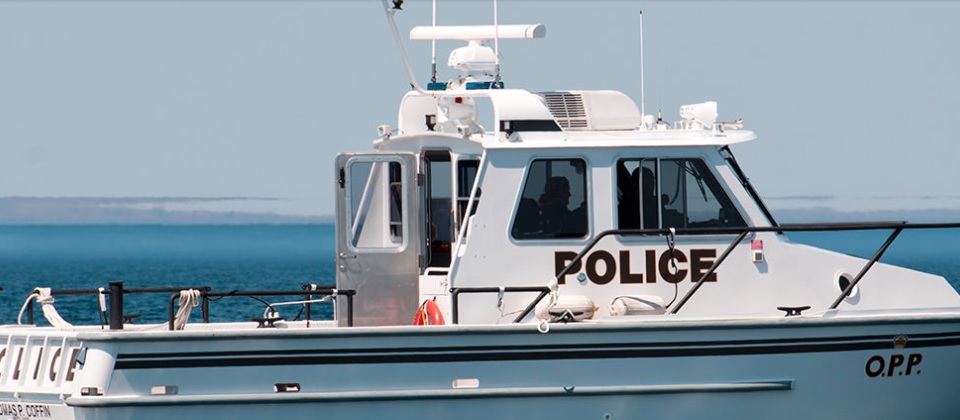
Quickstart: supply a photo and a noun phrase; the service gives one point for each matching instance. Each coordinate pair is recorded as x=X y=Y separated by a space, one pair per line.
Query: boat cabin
x=444 y=204
x=482 y=198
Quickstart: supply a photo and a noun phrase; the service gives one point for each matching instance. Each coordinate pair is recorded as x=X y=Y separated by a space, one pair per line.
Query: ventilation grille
x=567 y=108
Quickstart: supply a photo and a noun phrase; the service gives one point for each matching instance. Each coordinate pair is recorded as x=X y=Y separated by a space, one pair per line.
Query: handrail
x=206 y=292
x=107 y=291
x=866 y=267
x=742 y=232
x=326 y=291
x=713 y=267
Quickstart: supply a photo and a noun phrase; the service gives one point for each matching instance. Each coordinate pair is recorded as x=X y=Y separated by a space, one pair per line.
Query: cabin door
x=378 y=236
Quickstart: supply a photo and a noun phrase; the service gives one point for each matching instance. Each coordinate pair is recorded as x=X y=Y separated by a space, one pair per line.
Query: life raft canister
x=428 y=314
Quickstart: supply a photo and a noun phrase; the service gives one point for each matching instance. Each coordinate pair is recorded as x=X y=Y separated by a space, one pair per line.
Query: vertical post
x=170 y=316
x=455 y=305
x=116 y=305
x=306 y=306
x=205 y=306
x=350 y=310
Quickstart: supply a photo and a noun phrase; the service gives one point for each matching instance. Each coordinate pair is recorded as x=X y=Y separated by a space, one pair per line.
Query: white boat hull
x=845 y=367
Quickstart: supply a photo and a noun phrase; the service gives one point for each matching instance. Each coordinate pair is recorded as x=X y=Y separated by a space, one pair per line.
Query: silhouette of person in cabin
x=556 y=219
x=628 y=206
x=651 y=216
x=672 y=218
x=635 y=197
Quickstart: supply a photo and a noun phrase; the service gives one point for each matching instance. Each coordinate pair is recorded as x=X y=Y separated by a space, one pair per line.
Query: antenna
x=496 y=44
x=389 y=12
x=433 y=48
x=642 y=113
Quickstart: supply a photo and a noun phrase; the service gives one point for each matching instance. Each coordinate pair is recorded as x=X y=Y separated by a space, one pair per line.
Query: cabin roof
x=555 y=119
x=637 y=138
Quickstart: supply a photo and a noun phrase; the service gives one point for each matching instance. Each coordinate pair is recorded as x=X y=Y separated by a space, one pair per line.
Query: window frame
x=351 y=213
x=717 y=188
x=587 y=203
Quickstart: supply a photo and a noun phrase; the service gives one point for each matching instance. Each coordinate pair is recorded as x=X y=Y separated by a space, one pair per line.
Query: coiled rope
x=189 y=299
x=43 y=296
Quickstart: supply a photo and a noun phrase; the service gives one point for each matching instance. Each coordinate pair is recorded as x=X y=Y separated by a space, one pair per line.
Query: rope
x=673 y=264
x=24 y=307
x=43 y=296
x=670 y=244
x=500 y=302
x=189 y=299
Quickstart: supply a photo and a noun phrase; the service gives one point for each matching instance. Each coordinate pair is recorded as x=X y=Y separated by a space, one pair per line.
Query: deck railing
x=116 y=292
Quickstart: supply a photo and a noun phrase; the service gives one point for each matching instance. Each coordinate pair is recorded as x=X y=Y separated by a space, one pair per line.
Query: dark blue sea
x=274 y=257
x=224 y=257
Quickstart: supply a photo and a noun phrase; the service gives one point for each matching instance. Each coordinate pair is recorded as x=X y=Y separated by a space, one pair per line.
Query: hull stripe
x=519 y=353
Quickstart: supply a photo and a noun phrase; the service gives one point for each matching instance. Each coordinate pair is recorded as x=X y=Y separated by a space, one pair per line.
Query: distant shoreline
x=147 y=211
x=169 y=211
x=829 y=215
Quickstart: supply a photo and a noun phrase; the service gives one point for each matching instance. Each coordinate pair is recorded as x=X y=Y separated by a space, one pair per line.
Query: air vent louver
x=567 y=108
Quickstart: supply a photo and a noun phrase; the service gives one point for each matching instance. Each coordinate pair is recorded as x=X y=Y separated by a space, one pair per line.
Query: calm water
x=270 y=257
x=246 y=257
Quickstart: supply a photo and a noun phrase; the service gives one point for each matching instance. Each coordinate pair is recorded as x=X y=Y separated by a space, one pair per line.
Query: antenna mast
x=642 y=113
x=390 y=12
x=496 y=45
x=433 y=48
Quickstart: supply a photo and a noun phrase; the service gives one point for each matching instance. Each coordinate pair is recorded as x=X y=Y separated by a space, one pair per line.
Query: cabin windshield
x=671 y=193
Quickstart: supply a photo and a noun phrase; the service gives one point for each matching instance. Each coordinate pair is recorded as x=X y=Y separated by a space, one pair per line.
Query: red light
x=458 y=99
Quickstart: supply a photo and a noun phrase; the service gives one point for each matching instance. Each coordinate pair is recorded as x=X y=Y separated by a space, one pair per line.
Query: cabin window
x=396 y=203
x=665 y=193
x=466 y=176
x=554 y=201
x=376 y=203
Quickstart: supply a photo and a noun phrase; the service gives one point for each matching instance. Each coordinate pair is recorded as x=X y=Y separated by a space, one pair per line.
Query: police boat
x=514 y=254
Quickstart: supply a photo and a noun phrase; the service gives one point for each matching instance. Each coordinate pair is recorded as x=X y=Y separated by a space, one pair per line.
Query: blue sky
x=854 y=103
